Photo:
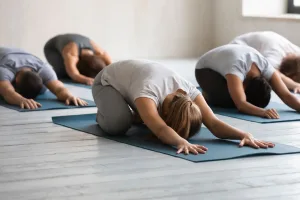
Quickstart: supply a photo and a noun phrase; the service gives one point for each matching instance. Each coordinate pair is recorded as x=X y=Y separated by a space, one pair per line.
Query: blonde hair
x=183 y=116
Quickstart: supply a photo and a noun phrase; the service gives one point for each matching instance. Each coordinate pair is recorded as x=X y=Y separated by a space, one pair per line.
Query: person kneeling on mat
x=279 y=51
x=239 y=76
x=171 y=107
x=29 y=75
x=75 y=56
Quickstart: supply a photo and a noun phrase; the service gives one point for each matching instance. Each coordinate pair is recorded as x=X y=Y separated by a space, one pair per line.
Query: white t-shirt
x=235 y=59
x=271 y=45
x=142 y=78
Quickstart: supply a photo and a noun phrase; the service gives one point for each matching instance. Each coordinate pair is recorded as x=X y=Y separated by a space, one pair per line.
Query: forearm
x=292 y=101
x=13 y=98
x=62 y=94
x=290 y=84
x=106 y=58
x=168 y=136
x=79 y=78
x=72 y=71
x=251 y=109
x=225 y=131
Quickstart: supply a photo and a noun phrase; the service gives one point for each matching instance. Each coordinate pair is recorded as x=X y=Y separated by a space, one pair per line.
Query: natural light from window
x=297 y=3
x=265 y=7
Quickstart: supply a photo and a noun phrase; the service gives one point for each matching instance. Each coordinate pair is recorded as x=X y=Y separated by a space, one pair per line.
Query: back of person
x=234 y=59
x=60 y=41
x=12 y=60
x=142 y=78
x=76 y=57
x=270 y=44
x=231 y=61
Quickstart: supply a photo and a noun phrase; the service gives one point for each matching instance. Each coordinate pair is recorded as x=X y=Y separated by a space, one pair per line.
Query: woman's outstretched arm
x=149 y=114
x=284 y=94
x=290 y=84
x=225 y=131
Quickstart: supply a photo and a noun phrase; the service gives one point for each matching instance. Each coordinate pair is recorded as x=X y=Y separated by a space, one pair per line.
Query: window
x=262 y=8
x=294 y=6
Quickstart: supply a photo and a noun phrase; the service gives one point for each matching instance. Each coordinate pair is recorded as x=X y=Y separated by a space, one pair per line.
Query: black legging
x=214 y=88
x=55 y=59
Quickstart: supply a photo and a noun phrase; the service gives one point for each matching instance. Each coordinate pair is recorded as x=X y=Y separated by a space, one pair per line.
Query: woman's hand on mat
x=271 y=114
x=29 y=104
x=249 y=140
x=89 y=81
x=76 y=101
x=186 y=148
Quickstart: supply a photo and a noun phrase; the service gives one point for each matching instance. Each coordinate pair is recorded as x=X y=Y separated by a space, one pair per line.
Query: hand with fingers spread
x=249 y=140
x=271 y=114
x=29 y=104
x=186 y=148
x=76 y=101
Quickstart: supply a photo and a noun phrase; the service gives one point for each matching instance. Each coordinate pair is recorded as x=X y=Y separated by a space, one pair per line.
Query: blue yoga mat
x=48 y=101
x=140 y=136
x=286 y=114
x=70 y=82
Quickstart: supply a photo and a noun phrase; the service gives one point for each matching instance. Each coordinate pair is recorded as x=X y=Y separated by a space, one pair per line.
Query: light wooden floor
x=40 y=160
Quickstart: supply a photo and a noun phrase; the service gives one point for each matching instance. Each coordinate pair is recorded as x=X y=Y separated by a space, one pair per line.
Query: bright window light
x=297 y=3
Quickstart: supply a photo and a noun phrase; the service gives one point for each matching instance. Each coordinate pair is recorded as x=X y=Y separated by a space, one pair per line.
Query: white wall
x=264 y=7
x=125 y=28
x=229 y=22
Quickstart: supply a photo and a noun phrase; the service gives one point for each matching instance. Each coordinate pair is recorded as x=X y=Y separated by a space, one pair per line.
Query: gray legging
x=55 y=59
x=114 y=115
x=214 y=88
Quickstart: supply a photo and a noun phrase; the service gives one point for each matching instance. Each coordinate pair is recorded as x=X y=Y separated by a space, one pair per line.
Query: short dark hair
x=90 y=65
x=258 y=92
x=29 y=85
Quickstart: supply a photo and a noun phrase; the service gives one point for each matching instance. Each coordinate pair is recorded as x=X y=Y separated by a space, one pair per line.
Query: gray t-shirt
x=271 y=45
x=60 y=41
x=235 y=59
x=142 y=78
x=13 y=60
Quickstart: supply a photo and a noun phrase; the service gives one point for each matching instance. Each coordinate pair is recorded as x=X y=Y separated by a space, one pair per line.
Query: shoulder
x=70 y=49
x=9 y=50
x=47 y=73
x=6 y=74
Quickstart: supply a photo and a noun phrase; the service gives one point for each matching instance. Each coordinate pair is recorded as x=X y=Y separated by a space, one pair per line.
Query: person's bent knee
x=116 y=126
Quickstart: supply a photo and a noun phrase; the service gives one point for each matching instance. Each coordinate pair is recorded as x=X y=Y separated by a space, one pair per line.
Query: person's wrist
x=181 y=141
x=69 y=96
x=243 y=135
x=21 y=99
x=261 y=113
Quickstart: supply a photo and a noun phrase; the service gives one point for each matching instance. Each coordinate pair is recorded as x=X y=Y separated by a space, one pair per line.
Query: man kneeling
x=23 y=76
x=239 y=76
